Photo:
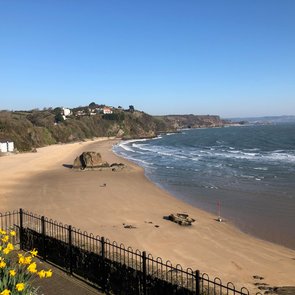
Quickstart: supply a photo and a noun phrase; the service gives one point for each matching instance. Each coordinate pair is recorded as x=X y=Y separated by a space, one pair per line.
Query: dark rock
x=258 y=277
x=117 y=166
x=128 y=226
x=180 y=218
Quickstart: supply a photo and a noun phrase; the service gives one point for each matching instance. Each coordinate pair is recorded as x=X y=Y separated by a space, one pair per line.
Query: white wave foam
x=261 y=168
x=248 y=176
x=251 y=150
x=160 y=151
x=126 y=147
x=280 y=157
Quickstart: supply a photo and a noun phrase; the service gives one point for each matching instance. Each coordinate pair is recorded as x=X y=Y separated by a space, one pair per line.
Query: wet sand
x=42 y=183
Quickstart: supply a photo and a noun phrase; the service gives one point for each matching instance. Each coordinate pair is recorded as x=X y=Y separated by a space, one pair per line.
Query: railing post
x=21 y=231
x=70 y=250
x=43 y=237
x=144 y=272
x=104 y=280
x=197 y=282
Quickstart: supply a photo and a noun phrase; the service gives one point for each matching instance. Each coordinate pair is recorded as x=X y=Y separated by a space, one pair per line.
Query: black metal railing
x=111 y=266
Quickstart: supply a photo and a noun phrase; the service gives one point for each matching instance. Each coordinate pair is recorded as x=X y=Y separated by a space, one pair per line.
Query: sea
x=245 y=174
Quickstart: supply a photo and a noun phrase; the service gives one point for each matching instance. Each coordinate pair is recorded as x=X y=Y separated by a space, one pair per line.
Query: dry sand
x=42 y=183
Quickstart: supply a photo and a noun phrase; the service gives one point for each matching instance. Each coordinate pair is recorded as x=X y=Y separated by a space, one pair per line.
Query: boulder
x=180 y=218
x=89 y=160
x=117 y=166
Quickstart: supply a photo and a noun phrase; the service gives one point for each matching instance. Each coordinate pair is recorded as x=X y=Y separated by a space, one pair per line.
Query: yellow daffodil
x=20 y=287
x=2 y=232
x=34 y=252
x=6 y=251
x=12 y=272
x=2 y=264
x=5 y=239
x=10 y=246
x=42 y=274
x=5 y=292
x=32 y=267
x=28 y=260
x=48 y=273
x=21 y=259
x=13 y=233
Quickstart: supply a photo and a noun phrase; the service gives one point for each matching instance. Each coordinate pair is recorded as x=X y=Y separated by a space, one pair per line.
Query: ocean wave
x=278 y=151
x=210 y=186
x=126 y=147
x=161 y=151
x=280 y=157
x=128 y=144
x=251 y=149
x=173 y=155
x=261 y=168
x=258 y=157
x=247 y=176
x=137 y=160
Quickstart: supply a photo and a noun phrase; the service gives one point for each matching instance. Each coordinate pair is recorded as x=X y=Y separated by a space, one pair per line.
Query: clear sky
x=227 y=57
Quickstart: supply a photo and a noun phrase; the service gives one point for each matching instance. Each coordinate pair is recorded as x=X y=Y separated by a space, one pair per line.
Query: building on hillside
x=107 y=110
x=6 y=146
x=66 y=112
x=80 y=113
x=92 y=112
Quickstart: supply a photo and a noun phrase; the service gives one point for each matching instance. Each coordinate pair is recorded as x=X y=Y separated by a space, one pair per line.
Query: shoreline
x=259 y=203
x=77 y=198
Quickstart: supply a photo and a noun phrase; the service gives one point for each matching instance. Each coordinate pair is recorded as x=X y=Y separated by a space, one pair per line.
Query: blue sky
x=227 y=57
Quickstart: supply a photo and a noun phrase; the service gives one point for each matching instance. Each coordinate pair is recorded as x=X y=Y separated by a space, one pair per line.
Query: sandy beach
x=43 y=183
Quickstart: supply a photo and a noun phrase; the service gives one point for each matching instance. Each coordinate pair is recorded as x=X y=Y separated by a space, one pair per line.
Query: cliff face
x=192 y=121
x=38 y=128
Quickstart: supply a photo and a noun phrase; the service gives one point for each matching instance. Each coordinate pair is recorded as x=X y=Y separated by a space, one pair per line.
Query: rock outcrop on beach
x=89 y=160
x=93 y=160
x=180 y=218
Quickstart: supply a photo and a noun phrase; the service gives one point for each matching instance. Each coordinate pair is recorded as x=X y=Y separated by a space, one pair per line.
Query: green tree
x=92 y=105
x=59 y=118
